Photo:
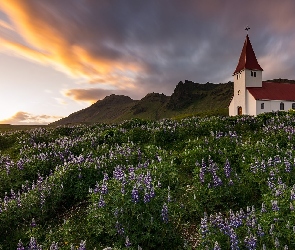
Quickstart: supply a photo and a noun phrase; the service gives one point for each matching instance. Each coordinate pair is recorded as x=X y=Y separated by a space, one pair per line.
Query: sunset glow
x=57 y=57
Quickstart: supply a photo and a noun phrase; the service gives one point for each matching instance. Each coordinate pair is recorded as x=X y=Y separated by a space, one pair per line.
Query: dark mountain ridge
x=188 y=98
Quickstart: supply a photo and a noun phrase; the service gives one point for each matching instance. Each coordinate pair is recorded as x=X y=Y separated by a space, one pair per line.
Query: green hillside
x=188 y=98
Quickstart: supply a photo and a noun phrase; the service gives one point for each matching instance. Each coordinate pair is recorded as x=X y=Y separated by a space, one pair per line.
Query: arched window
x=282 y=106
x=293 y=105
x=262 y=105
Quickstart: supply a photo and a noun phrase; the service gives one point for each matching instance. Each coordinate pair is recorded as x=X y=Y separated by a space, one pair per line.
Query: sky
x=58 y=57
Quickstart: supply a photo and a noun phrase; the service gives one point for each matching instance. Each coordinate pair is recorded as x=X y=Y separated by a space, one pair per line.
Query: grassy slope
x=192 y=98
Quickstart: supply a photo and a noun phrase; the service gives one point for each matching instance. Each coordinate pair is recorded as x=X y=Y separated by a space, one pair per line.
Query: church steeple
x=247 y=58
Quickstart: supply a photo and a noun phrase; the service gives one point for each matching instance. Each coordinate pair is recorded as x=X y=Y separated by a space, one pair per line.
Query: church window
x=239 y=92
x=262 y=105
x=237 y=76
x=282 y=106
x=293 y=105
x=253 y=73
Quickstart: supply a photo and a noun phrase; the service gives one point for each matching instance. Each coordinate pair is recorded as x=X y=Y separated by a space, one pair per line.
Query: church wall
x=231 y=109
x=239 y=92
x=251 y=104
x=270 y=105
x=252 y=81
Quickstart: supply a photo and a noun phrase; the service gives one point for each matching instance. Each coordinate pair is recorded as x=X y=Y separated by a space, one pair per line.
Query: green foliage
x=148 y=184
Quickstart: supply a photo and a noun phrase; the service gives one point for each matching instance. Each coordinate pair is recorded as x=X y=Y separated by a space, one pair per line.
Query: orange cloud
x=88 y=95
x=60 y=41
x=24 y=118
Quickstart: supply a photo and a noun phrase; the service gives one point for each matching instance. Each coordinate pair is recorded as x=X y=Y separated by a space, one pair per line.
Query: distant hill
x=188 y=98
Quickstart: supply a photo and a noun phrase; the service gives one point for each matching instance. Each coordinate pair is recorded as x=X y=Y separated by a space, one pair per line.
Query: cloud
x=92 y=95
x=5 y=25
x=24 y=118
x=144 y=46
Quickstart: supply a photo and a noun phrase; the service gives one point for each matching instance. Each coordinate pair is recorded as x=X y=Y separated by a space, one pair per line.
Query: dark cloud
x=143 y=46
x=24 y=118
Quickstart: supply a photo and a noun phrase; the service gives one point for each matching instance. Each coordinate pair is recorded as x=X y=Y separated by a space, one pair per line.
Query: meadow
x=196 y=183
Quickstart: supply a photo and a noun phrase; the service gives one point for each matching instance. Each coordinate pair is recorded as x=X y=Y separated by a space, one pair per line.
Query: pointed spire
x=247 y=59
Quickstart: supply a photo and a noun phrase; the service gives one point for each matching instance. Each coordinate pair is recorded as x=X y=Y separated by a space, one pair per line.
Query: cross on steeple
x=247 y=28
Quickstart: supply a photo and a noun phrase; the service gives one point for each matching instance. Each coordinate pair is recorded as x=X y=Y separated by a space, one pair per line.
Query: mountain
x=188 y=98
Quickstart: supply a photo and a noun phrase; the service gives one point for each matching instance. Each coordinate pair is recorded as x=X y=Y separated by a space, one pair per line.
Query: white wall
x=272 y=105
x=252 y=81
x=239 y=92
x=231 y=110
x=251 y=104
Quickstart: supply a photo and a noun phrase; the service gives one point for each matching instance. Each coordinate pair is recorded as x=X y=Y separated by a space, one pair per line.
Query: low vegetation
x=194 y=183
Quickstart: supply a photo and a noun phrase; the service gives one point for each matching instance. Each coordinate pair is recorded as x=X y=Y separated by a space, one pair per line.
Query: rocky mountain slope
x=188 y=98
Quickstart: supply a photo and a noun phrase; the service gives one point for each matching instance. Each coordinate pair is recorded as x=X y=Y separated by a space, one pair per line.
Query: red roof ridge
x=247 y=59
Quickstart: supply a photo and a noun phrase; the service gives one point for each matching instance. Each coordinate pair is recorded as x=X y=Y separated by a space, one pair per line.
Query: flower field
x=197 y=183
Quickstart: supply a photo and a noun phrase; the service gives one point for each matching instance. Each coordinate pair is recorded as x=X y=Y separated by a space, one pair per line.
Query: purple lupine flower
x=164 y=213
x=146 y=197
x=20 y=245
x=101 y=202
x=277 y=243
x=203 y=170
x=233 y=219
x=33 y=223
x=134 y=194
x=292 y=196
x=33 y=245
x=131 y=173
x=216 y=246
x=104 y=188
x=291 y=206
x=287 y=166
x=263 y=208
x=234 y=242
x=169 y=196
x=250 y=242
x=260 y=232
x=127 y=242
x=148 y=179
x=272 y=226
x=216 y=180
x=275 y=206
x=54 y=246
x=82 y=245
x=204 y=225
x=227 y=169
x=119 y=228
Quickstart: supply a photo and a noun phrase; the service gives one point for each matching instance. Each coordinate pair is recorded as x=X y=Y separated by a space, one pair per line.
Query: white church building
x=252 y=96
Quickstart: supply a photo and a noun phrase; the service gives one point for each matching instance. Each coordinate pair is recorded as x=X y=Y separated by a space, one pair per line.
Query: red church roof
x=247 y=58
x=273 y=91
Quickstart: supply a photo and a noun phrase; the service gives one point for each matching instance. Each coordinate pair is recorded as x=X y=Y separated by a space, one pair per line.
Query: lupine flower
x=20 y=246
x=234 y=242
x=286 y=247
x=216 y=246
x=82 y=245
x=33 y=245
x=291 y=206
x=119 y=228
x=260 y=232
x=54 y=246
x=134 y=194
x=202 y=171
x=204 y=225
x=127 y=242
x=164 y=213
x=277 y=243
x=275 y=206
x=250 y=242
x=101 y=202
x=292 y=196
x=272 y=226
x=33 y=223
x=263 y=208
